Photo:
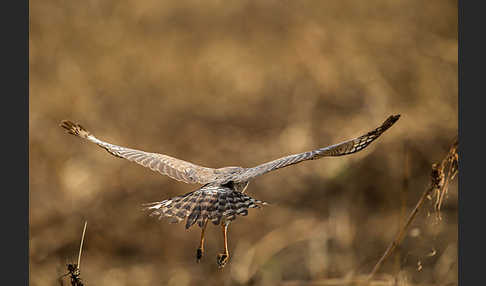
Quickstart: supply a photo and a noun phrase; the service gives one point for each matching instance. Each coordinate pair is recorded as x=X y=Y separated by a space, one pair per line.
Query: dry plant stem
x=447 y=162
x=438 y=182
x=81 y=245
x=398 y=239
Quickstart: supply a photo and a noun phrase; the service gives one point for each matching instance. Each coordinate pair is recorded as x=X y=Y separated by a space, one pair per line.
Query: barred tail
x=215 y=204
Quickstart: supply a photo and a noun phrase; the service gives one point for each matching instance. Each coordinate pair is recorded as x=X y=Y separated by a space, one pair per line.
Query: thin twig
x=396 y=242
x=438 y=182
x=81 y=245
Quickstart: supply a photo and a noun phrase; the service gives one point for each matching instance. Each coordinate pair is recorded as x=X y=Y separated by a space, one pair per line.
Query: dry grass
x=239 y=83
x=74 y=270
x=439 y=183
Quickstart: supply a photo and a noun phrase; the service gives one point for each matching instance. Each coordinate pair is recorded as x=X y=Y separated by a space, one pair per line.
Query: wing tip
x=390 y=121
x=74 y=128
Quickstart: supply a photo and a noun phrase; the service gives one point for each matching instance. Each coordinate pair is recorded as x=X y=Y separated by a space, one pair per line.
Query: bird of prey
x=222 y=196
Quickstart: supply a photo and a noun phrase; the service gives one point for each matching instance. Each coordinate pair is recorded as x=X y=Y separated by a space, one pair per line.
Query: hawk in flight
x=222 y=195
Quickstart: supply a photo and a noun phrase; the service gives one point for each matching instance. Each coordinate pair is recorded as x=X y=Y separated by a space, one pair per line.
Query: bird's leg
x=200 y=250
x=223 y=257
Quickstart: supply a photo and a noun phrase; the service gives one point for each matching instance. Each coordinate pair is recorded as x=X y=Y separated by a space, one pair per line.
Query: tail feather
x=216 y=205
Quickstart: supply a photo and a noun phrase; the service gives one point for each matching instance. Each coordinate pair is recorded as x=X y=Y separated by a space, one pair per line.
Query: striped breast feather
x=216 y=204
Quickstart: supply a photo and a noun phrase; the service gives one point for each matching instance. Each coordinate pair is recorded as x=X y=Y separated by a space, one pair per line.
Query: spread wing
x=340 y=149
x=166 y=165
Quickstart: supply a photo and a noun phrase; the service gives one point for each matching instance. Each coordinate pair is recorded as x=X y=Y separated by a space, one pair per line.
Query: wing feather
x=166 y=165
x=344 y=148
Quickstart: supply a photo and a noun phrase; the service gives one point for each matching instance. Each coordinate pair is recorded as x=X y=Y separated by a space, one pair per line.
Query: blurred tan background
x=239 y=83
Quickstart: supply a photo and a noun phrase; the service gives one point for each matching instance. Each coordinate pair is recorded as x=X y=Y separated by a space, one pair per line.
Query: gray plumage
x=222 y=196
